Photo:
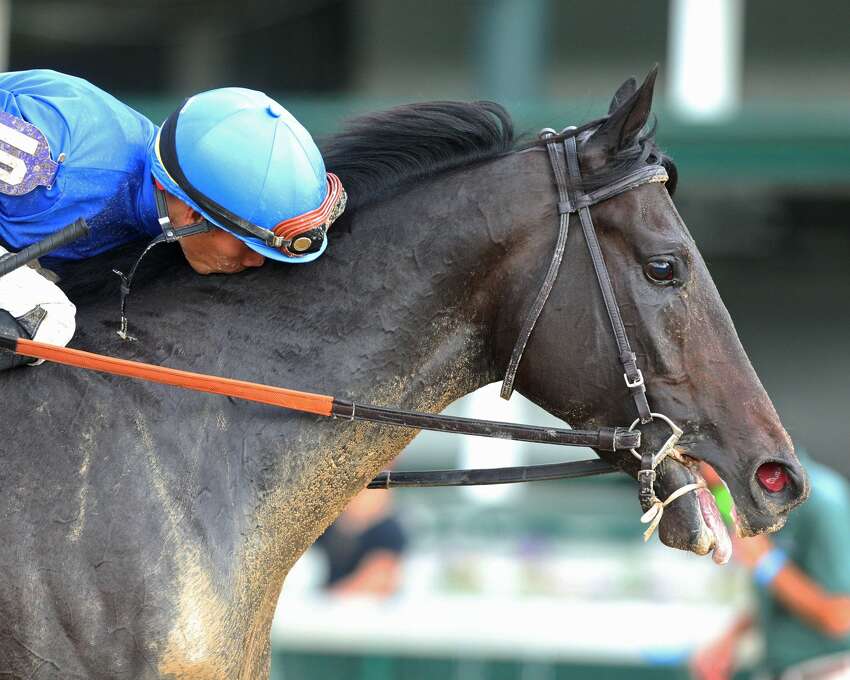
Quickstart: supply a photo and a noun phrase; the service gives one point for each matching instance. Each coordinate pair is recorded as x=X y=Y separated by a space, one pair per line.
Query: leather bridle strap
x=571 y=199
x=483 y=476
x=632 y=374
x=552 y=272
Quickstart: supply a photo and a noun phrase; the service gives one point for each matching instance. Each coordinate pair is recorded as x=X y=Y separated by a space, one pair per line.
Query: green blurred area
x=724 y=502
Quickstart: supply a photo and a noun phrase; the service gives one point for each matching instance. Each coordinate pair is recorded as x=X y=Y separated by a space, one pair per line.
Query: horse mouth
x=721 y=549
x=693 y=521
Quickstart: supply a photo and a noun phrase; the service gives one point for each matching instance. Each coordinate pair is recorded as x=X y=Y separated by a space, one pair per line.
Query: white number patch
x=25 y=161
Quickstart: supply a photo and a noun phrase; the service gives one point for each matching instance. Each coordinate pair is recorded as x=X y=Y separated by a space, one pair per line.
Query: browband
x=644 y=175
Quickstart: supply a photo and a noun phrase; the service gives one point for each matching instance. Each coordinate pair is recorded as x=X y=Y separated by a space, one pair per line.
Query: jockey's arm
x=826 y=612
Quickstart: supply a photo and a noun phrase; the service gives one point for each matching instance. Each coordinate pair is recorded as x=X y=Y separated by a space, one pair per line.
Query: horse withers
x=147 y=531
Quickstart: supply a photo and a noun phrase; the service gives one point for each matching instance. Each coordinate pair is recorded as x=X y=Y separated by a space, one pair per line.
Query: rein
x=607 y=439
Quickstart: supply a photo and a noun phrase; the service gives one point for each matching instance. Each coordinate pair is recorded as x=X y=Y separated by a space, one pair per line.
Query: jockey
x=230 y=175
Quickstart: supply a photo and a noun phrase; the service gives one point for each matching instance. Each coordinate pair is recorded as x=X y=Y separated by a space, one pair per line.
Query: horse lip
x=705 y=532
x=683 y=525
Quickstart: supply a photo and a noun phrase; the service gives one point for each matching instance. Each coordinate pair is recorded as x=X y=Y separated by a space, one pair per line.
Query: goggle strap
x=169 y=231
x=322 y=217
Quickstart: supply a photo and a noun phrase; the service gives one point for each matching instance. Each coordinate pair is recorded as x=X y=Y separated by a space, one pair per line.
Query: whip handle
x=12 y=261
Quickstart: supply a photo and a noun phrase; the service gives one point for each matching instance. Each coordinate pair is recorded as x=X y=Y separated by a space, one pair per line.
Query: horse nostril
x=773 y=477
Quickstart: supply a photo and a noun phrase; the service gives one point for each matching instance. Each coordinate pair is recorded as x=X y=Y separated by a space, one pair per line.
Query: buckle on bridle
x=638 y=381
x=647 y=473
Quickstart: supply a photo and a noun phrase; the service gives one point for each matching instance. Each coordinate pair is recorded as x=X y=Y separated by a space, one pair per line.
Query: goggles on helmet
x=296 y=236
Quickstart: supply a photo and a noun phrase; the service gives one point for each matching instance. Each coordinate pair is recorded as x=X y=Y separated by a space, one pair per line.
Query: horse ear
x=628 y=116
x=625 y=91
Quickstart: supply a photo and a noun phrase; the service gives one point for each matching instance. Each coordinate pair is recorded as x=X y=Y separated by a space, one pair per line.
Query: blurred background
x=547 y=581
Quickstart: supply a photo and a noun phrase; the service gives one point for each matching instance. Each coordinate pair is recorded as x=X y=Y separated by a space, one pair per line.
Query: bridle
x=564 y=159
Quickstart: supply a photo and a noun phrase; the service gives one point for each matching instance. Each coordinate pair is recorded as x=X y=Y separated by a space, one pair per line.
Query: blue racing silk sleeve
x=102 y=147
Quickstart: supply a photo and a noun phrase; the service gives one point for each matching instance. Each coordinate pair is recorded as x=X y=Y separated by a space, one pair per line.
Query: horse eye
x=660 y=271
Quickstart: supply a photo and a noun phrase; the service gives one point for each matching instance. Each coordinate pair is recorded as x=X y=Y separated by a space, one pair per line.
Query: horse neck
x=402 y=312
x=417 y=288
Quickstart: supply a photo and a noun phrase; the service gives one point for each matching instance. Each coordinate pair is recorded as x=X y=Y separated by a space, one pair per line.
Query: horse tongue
x=713 y=520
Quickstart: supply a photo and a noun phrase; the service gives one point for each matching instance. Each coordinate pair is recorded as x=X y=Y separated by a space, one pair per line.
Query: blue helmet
x=243 y=162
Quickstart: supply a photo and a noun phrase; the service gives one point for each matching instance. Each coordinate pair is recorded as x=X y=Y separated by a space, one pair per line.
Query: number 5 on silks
x=25 y=161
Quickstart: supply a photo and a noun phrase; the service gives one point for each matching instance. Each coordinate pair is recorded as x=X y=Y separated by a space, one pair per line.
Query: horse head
x=695 y=370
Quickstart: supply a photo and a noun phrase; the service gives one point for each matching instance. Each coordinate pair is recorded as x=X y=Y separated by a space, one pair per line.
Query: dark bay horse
x=146 y=531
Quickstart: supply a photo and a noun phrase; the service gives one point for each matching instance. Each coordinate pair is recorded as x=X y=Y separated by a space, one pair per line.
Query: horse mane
x=381 y=153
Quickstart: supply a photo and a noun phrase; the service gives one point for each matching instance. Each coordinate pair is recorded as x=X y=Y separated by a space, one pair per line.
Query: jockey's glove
x=10 y=327
x=32 y=306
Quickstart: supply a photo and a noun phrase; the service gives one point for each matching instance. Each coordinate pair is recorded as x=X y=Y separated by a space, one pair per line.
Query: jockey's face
x=213 y=252
x=217 y=252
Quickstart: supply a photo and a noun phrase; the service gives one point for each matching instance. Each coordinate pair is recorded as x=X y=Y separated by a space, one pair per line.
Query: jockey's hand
x=217 y=252
x=33 y=307
x=748 y=551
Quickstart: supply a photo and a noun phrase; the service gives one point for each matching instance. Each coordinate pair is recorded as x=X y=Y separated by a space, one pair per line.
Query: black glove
x=10 y=327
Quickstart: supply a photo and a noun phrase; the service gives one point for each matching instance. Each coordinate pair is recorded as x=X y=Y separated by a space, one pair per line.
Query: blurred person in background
x=802 y=578
x=230 y=175
x=364 y=547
